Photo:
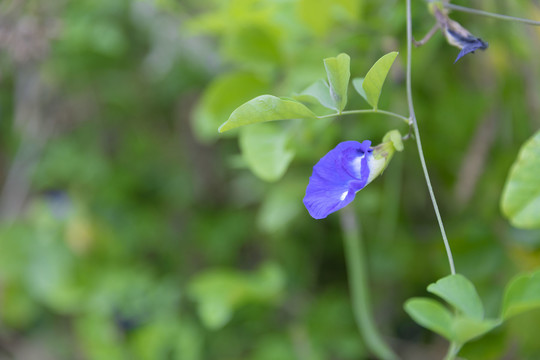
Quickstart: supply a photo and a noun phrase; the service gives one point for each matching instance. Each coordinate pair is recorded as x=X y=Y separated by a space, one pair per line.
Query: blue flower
x=345 y=170
x=471 y=44
x=338 y=175
x=457 y=35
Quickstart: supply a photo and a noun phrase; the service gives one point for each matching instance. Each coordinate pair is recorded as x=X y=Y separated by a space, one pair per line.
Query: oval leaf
x=521 y=196
x=374 y=80
x=266 y=108
x=431 y=315
x=319 y=91
x=338 y=70
x=522 y=294
x=459 y=292
x=265 y=150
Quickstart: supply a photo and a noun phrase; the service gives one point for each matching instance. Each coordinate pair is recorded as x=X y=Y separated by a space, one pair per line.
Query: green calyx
x=382 y=153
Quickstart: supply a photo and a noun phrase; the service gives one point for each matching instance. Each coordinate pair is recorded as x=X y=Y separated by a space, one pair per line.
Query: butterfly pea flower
x=344 y=171
x=457 y=35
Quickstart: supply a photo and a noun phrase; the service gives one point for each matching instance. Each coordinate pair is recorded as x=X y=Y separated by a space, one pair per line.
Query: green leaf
x=431 y=315
x=281 y=205
x=219 y=293
x=357 y=84
x=466 y=328
x=522 y=294
x=220 y=99
x=266 y=108
x=434 y=316
x=264 y=147
x=214 y=312
x=459 y=292
x=338 y=70
x=320 y=91
x=374 y=80
x=520 y=201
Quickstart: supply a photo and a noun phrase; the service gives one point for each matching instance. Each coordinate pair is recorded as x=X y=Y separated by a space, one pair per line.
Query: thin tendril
x=491 y=15
x=418 y=142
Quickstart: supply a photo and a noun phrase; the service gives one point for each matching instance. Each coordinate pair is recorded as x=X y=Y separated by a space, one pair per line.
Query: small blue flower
x=338 y=176
x=457 y=35
x=469 y=44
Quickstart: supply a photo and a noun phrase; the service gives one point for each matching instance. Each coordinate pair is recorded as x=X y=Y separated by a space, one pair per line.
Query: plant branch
x=358 y=283
x=491 y=15
x=419 y=143
x=366 y=111
x=428 y=36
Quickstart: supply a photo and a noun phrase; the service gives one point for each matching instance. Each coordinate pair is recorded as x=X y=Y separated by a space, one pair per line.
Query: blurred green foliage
x=143 y=234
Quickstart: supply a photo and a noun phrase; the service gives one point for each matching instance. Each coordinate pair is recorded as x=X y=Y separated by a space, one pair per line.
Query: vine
x=352 y=165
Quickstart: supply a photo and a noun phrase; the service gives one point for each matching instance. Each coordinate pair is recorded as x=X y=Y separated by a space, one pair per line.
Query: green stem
x=419 y=143
x=491 y=15
x=367 y=111
x=452 y=351
x=356 y=266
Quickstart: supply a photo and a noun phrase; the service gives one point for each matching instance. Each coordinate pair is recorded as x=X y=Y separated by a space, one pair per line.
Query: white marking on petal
x=344 y=195
x=357 y=165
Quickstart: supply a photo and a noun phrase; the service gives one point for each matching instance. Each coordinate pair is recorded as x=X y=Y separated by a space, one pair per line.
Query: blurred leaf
x=167 y=339
x=18 y=309
x=274 y=347
x=459 y=292
x=99 y=338
x=374 y=80
x=321 y=15
x=280 y=206
x=316 y=14
x=248 y=33
x=338 y=70
x=253 y=44
x=266 y=108
x=522 y=294
x=189 y=344
x=265 y=150
x=220 y=99
x=319 y=91
x=520 y=201
x=431 y=314
x=215 y=312
x=220 y=292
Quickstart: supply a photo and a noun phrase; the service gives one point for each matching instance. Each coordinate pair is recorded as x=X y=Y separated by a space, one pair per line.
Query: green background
x=131 y=229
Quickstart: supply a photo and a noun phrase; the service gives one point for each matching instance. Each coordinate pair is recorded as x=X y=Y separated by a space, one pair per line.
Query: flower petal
x=471 y=47
x=337 y=177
